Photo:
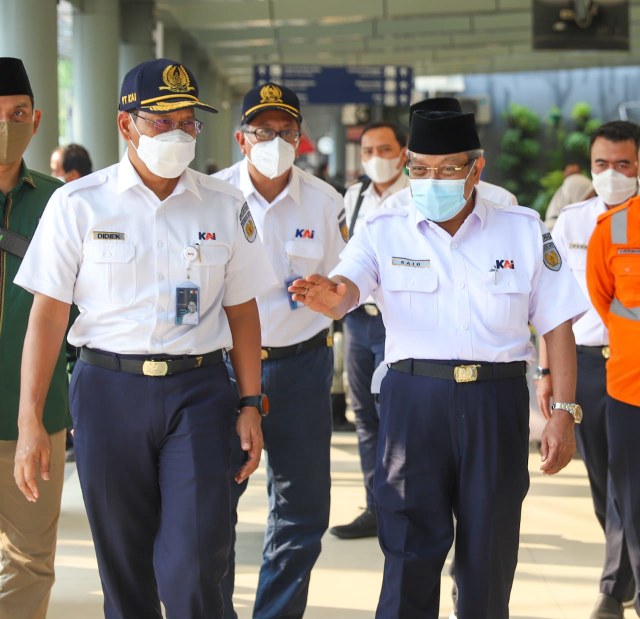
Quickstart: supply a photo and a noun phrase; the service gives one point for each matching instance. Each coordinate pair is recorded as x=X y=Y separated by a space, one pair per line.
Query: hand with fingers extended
x=324 y=295
x=33 y=453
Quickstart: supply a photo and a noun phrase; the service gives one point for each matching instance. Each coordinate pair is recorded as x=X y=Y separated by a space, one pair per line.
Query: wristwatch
x=540 y=372
x=261 y=402
x=575 y=410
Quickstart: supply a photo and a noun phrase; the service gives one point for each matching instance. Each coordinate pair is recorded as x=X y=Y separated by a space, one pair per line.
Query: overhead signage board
x=386 y=85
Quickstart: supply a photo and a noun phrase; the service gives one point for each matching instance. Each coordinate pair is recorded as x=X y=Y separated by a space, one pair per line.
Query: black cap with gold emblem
x=160 y=86
x=15 y=80
x=270 y=96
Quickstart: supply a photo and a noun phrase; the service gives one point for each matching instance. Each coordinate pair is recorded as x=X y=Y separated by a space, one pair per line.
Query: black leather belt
x=149 y=365
x=600 y=351
x=279 y=352
x=370 y=309
x=464 y=373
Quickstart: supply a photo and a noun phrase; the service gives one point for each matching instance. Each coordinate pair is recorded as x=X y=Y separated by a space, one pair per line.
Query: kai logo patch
x=550 y=255
x=504 y=264
x=247 y=223
x=206 y=236
x=303 y=233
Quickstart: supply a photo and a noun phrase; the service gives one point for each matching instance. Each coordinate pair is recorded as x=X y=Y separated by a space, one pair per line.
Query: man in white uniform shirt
x=458 y=279
x=301 y=222
x=614 y=169
x=383 y=156
x=151 y=399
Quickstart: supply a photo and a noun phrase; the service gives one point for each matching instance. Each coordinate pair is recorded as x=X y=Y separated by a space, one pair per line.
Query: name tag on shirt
x=408 y=262
x=99 y=235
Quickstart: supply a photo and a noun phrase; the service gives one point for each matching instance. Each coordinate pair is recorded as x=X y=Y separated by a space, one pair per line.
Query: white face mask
x=167 y=154
x=614 y=187
x=272 y=158
x=381 y=170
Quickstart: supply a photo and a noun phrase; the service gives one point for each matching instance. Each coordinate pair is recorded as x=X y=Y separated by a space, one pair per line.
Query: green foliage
x=577 y=143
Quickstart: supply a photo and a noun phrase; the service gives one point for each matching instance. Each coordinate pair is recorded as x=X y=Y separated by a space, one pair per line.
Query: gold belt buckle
x=465 y=373
x=371 y=310
x=264 y=354
x=606 y=352
x=155 y=368
x=329 y=341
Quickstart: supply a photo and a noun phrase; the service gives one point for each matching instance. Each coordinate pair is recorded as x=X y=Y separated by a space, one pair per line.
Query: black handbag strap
x=13 y=243
x=363 y=187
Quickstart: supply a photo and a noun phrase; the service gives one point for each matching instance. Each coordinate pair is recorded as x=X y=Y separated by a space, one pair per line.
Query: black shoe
x=365 y=525
x=343 y=425
x=607 y=607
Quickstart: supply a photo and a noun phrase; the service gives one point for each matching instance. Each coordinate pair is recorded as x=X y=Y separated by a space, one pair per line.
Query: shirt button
x=454 y=246
x=160 y=244
x=410 y=283
x=461 y=284
x=161 y=310
x=465 y=326
x=160 y=277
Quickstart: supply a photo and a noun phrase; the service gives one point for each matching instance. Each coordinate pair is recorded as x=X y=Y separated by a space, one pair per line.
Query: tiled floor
x=560 y=555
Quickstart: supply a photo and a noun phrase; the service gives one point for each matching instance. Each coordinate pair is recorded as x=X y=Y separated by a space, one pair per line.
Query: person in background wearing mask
x=151 y=399
x=70 y=162
x=27 y=532
x=614 y=169
x=458 y=279
x=301 y=222
x=382 y=154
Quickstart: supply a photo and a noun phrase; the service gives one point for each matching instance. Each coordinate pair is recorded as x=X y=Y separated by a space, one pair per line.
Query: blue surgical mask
x=439 y=199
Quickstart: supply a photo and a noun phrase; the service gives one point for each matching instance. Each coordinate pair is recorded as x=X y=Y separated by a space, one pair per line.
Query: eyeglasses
x=162 y=125
x=443 y=171
x=265 y=134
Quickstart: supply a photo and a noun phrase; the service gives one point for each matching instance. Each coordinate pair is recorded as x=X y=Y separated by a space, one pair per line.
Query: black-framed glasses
x=193 y=126
x=265 y=134
x=443 y=171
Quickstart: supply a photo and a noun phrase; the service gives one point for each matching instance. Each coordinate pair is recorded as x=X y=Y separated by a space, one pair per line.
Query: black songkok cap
x=443 y=133
x=160 y=86
x=270 y=96
x=436 y=104
x=15 y=80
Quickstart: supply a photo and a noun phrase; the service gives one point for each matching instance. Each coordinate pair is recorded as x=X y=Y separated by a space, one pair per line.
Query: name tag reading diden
x=410 y=262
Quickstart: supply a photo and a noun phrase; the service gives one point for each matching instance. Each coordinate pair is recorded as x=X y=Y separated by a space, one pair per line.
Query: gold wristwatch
x=575 y=410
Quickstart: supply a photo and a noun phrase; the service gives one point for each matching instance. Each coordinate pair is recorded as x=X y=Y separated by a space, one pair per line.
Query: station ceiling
x=435 y=37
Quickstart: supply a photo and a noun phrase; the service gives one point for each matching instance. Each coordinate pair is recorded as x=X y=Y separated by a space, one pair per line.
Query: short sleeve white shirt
x=371 y=199
x=302 y=231
x=470 y=296
x=571 y=233
x=109 y=245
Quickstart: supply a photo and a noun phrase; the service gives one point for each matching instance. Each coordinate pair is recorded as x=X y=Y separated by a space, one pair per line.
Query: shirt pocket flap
x=577 y=259
x=304 y=248
x=214 y=254
x=410 y=279
x=505 y=281
x=109 y=251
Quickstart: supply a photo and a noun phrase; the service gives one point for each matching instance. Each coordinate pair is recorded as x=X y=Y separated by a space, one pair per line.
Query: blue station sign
x=386 y=85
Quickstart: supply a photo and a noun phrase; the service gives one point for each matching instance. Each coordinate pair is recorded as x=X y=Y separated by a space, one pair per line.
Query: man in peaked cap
x=152 y=404
x=27 y=531
x=301 y=222
x=458 y=279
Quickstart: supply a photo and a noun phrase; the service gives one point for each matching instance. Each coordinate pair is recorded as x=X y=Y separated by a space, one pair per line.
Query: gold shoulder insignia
x=247 y=223
x=270 y=94
x=176 y=79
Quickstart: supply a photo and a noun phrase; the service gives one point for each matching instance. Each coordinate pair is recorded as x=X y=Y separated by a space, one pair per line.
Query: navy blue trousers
x=297 y=439
x=591 y=439
x=623 y=430
x=445 y=450
x=153 y=462
x=365 y=336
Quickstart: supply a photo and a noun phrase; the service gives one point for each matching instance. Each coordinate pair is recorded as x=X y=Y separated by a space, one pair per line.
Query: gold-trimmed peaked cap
x=160 y=86
x=270 y=96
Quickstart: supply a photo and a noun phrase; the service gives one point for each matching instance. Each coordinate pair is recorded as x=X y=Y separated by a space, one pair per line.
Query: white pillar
x=28 y=30
x=96 y=87
x=136 y=37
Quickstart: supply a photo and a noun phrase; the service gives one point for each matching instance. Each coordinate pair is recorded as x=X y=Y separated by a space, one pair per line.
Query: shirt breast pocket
x=304 y=255
x=506 y=300
x=209 y=271
x=626 y=270
x=112 y=269
x=577 y=260
x=414 y=294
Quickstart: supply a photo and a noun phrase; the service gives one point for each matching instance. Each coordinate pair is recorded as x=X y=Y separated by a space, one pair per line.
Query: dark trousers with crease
x=447 y=449
x=153 y=461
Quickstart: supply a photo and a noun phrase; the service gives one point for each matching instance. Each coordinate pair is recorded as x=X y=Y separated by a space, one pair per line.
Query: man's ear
x=477 y=169
x=241 y=138
x=37 y=115
x=124 y=121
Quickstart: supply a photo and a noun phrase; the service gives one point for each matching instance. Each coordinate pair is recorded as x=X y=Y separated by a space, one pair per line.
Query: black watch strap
x=261 y=402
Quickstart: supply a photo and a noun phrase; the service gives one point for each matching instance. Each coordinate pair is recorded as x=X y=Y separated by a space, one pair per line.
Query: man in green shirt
x=27 y=530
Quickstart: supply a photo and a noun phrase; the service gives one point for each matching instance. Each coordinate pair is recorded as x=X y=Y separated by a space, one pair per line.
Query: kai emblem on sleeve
x=247 y=223
x=550 y=255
